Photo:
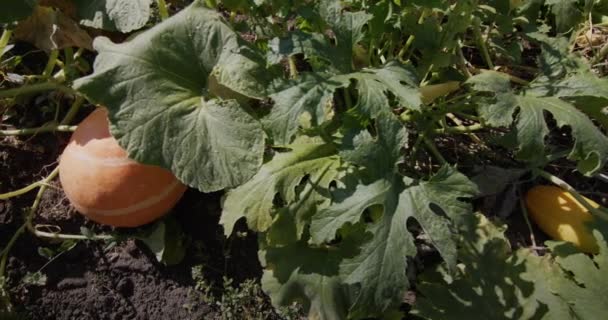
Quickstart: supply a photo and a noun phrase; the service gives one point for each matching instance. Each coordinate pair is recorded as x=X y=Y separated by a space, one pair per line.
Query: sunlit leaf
x=156 y=89
x=120 y=15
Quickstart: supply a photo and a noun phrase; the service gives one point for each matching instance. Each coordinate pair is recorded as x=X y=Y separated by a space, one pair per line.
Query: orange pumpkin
x=105 y=185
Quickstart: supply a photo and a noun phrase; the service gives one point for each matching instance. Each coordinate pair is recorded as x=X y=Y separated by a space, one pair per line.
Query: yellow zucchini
x=558 y=214
x=431 y=92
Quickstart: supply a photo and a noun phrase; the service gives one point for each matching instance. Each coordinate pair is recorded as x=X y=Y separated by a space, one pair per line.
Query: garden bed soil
x=95 y=280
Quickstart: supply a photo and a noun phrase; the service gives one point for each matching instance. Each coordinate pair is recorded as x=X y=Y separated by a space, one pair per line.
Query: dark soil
x=97 y=280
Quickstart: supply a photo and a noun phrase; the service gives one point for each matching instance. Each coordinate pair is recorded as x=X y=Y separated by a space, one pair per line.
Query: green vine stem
x=34 y=88
x=410 y=40
x=433 y=149
x=564 y=185
x=50 y=65
x=293 y=69
x=50 y=127
x=73 y=110
x=460 y=129
x=485 y=54
x=462 y=61
x=53 y=235
x=162 y=9
x=524 y=211
x=6 y=36
x=24 y=190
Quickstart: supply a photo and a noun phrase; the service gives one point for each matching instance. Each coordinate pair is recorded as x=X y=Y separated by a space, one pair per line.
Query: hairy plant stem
x=34 y=88
x=50 y=65
x=50 y=127
x=293 y=69
x=524 y=211
x=6 y=36
x=600 y=213
x=21 y=191
x=53 y=235
x=462 y=61
x=162 y=9
x=460 y=129
x=433 y=149
x=481 y=43
x=411 y=38
x=73 y=110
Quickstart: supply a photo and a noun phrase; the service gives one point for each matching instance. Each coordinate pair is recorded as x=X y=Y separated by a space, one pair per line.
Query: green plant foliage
x=114 y=15
x=311 y=94
x=585 y=292
x=255 y=199
x=591 y=145
x=309 y=116
x=15 y=10
x=166 y=116
x=166 y=240
x=494 y=283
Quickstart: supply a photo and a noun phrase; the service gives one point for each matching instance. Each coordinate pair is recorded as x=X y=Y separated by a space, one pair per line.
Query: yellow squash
x=558 y=214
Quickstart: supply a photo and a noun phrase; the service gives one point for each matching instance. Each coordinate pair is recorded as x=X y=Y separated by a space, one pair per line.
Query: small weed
x=243 y=301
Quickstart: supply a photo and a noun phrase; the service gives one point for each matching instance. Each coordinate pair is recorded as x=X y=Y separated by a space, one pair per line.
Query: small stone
x=125 y=287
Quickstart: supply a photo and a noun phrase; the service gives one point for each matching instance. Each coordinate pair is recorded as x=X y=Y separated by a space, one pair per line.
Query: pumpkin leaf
x=114 y=15
x=254 y=200
x=160 y=108
x=590 y=149
x=491 y=282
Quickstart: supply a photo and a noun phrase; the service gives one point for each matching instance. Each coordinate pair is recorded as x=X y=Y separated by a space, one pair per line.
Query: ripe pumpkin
x=105 y=185
x=561 y=216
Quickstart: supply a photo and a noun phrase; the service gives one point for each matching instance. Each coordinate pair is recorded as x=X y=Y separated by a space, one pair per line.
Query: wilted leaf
x=49 y=29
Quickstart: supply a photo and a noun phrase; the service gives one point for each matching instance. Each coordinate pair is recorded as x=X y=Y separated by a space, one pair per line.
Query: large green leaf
x=310 y=275
x=298 y=42
x=14 y=10
x=112 y=15
x=161 y=111
x=567 y=14
x=584 y=89
x=492 y=283
x=348 y=28
x=254 y=200
x=587 y=293
x=590 y=147
x=312 y=95
x=379 y=269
